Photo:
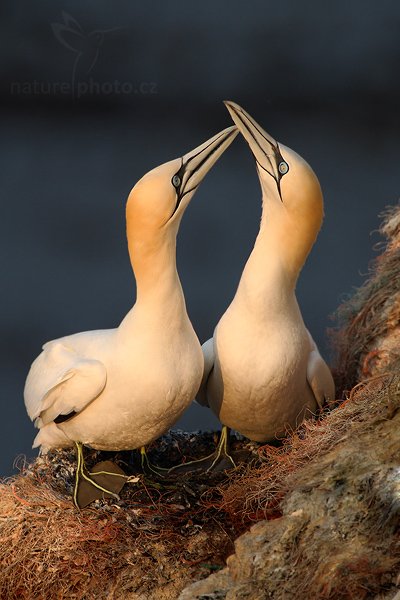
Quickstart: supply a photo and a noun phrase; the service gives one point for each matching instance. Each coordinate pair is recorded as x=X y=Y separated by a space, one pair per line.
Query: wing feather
x=61 y=381
x=319 y=376
x=208 y=353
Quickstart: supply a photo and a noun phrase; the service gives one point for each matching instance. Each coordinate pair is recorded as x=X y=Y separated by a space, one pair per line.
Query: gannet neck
x=265 y=285
x=160 y=304
x=154 y=209
x=290 y=230
x=154 y=267
x=292 y=201
x=282 y=245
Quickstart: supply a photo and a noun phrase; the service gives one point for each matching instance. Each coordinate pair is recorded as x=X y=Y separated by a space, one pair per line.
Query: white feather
x=60 y=382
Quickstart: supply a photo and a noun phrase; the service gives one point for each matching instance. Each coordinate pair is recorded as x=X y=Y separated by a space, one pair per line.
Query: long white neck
x=157 y=282
x=268 y=282
x=159 y=296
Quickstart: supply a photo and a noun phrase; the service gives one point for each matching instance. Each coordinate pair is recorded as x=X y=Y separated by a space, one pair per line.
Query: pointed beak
x=264 y=147
x=197 y=163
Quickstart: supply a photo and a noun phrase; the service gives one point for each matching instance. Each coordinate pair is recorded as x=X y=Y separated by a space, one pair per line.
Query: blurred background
x=94 y=94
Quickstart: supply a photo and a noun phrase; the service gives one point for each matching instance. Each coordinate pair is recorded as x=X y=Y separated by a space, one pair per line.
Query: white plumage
x=263 y=372
x=124 y=387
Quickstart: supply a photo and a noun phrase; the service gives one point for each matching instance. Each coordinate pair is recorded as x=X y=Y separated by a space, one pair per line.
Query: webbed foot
x=148 y=467
x=105 y=480
x=220 y=460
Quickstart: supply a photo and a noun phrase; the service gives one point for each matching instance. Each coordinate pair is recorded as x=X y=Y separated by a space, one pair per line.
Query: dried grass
x=254 y=491
x=134 y=550
x=367 y=339
x=337 y=534
x=47 y=548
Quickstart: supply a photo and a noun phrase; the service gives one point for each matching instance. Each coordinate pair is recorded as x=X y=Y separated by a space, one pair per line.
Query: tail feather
x=51 y=436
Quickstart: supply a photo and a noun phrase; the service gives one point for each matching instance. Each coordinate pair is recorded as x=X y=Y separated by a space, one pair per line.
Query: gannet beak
x=197 y=162
x=265 y=149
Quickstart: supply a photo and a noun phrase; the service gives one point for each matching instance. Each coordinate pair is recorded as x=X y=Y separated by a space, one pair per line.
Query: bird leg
x=86 y=489
x=147 y=465
x=210 y=463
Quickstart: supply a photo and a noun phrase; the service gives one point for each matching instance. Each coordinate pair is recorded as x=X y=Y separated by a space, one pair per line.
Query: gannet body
x=263 y=373
x=122 y=388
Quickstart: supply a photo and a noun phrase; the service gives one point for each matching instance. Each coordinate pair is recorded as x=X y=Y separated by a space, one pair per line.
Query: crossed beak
x=197 y=162
x=264 y=147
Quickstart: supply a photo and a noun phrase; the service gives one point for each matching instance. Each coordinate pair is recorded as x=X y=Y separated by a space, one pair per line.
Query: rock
x=215 y=587
x=337 y=537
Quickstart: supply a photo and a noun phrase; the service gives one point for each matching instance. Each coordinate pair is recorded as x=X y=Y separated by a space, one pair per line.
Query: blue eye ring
x=283 y=167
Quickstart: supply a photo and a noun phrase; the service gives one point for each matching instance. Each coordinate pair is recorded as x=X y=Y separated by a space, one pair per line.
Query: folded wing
x=208 y=354
x=61 y=382
x=319 y=376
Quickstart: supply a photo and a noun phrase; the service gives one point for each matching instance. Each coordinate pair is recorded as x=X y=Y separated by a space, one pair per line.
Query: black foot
x=218 y=461
x=106 y=480
x=148 y=467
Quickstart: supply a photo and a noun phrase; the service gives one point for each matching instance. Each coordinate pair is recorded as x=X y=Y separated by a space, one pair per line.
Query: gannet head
x=292 y=197
x=284 y=175
x=157 y=202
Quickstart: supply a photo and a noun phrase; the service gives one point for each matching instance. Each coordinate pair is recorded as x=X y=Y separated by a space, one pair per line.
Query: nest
x=160 y=535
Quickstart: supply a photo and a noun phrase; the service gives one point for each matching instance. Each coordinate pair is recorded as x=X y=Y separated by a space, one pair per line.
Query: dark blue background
x=322 y=79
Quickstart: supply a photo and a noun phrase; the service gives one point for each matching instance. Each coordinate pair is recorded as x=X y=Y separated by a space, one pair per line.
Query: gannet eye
x=283 y=167
x=176 y=181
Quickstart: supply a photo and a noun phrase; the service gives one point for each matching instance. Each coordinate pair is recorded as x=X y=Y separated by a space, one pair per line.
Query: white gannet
x=120 y=389
x=263 y=372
